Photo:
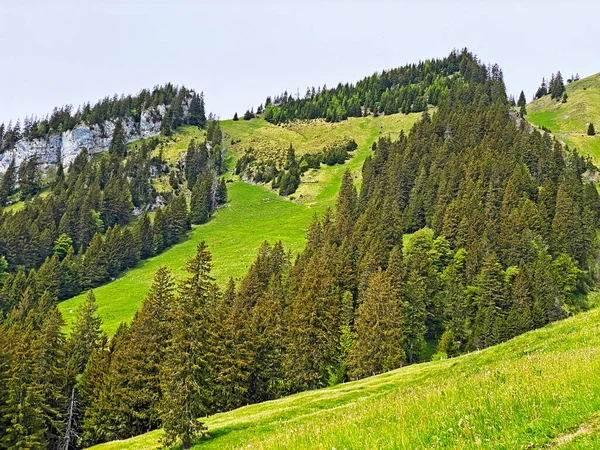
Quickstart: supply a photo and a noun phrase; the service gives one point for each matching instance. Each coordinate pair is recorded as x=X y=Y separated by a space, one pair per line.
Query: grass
x=569 y=121
x=254 y=213
x=539 y=390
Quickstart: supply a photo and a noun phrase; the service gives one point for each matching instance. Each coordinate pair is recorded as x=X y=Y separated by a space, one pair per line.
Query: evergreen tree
x=591 y=131
x=312 y=327
x=379 y=336
x=521 y=102
x=117 y=143
x=86 y=336
x=201 y=201
x=94 y=270
x=70 y=276
x=150 y=333
x=7 y=185
x=144 y=234
x=186 y=373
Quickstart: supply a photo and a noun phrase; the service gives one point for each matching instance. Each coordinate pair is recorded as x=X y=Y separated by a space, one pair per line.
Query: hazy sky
x=68 y=52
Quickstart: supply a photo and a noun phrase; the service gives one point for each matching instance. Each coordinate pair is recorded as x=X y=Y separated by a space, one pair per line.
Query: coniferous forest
x=467 y=231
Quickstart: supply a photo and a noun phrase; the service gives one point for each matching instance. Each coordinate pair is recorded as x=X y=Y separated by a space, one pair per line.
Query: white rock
x=95 y=138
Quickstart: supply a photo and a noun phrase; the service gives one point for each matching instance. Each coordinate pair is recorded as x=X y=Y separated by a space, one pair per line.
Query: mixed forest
x=469 y=230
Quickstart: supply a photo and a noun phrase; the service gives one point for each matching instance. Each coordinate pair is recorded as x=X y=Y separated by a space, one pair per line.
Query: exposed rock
x=96 y=138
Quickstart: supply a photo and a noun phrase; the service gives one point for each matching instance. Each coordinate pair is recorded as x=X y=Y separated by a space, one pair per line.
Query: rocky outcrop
x=96 y=138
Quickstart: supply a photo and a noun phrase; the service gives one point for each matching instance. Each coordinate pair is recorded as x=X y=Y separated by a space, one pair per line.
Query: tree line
x=112 y=108
x=406 y=89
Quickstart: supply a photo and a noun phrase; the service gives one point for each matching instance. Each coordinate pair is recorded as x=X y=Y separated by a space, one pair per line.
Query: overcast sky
x=68 y=52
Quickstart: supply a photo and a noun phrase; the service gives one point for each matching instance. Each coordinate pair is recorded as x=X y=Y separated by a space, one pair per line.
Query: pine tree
x=94 y=270
x=378 y=325
x=7 y=185
x=312 y=321
x=591 y=131
x=117 y=143
x=150 y=333
x=86 y=335
x=144 y=234
x=186 y=373
x=201 y=201
x=521 y=102
x=347 y=206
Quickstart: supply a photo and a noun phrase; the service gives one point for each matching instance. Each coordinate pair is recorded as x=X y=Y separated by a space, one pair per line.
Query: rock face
x=96 y=138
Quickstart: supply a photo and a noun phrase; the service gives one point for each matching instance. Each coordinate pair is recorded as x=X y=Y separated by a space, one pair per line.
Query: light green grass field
x=253 y=215
x=539 y=390
x=569 y=121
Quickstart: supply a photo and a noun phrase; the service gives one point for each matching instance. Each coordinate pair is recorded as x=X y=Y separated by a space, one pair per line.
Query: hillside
x=535 y=391
x=232 y=233
x=569 y=121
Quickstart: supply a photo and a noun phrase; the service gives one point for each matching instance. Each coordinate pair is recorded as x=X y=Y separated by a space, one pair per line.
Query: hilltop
x=535 y=391
x=569 y=121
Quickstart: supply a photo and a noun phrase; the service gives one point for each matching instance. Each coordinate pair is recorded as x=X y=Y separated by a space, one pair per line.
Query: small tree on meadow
x=591 y=131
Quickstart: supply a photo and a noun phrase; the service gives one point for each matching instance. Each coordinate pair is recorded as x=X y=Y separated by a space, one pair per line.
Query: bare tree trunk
x=69 y=429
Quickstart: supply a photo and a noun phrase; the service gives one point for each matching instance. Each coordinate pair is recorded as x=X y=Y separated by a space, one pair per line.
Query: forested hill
x=175 y=99
x=469 y=230
x=406 y=89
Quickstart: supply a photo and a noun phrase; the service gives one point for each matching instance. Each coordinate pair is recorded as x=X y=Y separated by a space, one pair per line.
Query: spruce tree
x=186 y=374
x=150 y=333
x=347 y=206
x=312 y=327
x=144 y=234
x=591 y=131
x=201 y=201
x=117 y=143
x=7 y=185
x=94 y=270
x=521 y=102
x=379 y=334
x=85 y=337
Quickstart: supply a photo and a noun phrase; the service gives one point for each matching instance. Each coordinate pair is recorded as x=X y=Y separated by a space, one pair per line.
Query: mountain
x=436 y=236
x=64 y=134
x=569 y=121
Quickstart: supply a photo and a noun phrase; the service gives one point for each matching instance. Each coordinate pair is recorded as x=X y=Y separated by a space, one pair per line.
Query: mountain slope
x=569 y=121
x=538 y=390
x=232 y=235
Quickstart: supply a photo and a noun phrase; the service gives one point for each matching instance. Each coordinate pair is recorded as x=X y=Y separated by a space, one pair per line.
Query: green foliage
x=379 y=330
x=7 y=185
x=541 y=378
x=591 y=131
x=406 y=89
x=117 y=143
x=186 y=372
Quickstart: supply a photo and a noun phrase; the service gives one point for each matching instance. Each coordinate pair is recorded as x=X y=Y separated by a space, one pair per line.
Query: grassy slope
x=254 y=213
x=569 y=121
x=537 y=390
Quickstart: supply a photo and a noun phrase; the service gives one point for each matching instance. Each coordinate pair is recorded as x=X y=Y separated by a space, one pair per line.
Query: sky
x=238 y=52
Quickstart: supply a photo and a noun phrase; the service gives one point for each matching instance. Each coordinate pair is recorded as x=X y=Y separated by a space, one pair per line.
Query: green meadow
x=254 y=213
x=569 y=121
